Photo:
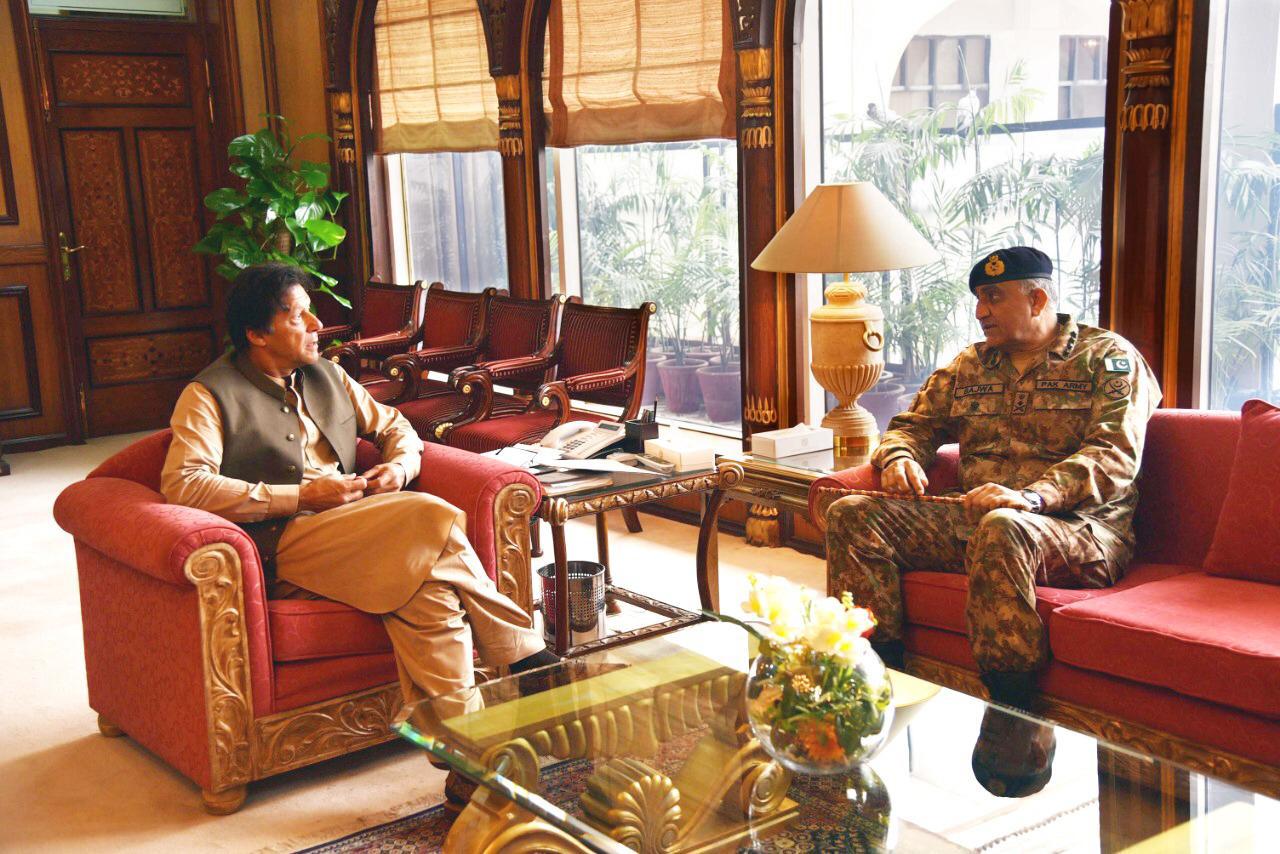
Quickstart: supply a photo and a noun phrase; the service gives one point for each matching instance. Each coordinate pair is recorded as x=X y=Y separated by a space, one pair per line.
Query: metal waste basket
x=586 y=601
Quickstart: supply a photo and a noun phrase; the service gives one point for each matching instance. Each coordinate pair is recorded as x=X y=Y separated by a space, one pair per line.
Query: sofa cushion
x=301 y=683
x=936 y=599
x=1246 y=543
x=1197 y=634
x=305 y=629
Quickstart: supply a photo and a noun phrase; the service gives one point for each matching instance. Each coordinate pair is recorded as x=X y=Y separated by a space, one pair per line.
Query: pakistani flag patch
x=1118 y=364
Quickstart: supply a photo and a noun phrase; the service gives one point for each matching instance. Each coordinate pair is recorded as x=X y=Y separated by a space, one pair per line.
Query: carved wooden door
x=129 y=136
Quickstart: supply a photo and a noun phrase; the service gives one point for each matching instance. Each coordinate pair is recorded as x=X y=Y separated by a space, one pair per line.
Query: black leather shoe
x=457 y=792
x=541 y=658
x=1011 y=688
x=893 y=653
x=1013 y=756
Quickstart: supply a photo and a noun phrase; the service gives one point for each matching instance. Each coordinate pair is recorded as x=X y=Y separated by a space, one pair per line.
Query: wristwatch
x=1034 y=499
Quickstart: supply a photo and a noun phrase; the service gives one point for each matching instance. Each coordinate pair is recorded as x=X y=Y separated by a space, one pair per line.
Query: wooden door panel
x=171 y=199
x=101 y=220
x=128 y=107
x=20 y=379
x=113 y=79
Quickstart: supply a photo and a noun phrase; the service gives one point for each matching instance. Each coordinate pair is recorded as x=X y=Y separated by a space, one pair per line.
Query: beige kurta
x=404 y=555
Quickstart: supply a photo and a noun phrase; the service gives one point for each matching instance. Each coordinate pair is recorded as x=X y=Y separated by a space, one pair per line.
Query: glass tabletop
x=809 y=466
x=624 y=481
x=647 y=744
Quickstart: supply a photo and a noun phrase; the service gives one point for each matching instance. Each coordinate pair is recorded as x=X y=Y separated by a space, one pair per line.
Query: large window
x=1244 y=250
x=1082 y=77
x=937 y=70
x=987 y=165
x=446 y=217
x=658 y=222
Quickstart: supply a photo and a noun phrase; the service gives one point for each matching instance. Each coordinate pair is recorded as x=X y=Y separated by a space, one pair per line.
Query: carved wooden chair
x=386 y=319
x=187 y=655
x=599 y=359
x=519 y=336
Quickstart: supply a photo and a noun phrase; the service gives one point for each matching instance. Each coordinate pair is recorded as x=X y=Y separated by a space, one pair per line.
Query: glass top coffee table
x=645 y=747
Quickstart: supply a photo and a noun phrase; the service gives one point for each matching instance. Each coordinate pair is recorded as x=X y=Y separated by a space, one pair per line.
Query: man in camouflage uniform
x=1050 y=417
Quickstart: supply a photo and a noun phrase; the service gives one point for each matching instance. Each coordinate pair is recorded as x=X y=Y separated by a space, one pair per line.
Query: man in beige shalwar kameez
x=265 y=437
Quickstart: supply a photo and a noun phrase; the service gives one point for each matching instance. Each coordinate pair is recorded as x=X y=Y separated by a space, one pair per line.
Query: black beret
x=1010 y=265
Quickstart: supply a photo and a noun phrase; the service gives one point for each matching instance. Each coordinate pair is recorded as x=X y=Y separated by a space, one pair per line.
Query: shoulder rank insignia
x=1118 y=364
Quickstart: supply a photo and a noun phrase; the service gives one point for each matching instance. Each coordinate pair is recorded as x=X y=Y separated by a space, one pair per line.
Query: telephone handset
x=580 y=440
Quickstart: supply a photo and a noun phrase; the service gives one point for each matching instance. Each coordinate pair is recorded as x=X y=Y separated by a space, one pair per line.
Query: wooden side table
x=711 y=483
x=769 y=485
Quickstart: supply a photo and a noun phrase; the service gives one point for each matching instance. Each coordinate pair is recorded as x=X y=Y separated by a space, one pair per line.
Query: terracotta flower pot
x=722 y=391
x=652 y=385
x=680 y=385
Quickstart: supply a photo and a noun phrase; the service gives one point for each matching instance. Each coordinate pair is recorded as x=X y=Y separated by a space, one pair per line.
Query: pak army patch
x=1118 y=364
x=1116 y=389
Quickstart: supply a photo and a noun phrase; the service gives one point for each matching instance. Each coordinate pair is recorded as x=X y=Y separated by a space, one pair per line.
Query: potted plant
x=721 y=382
x=283 y=212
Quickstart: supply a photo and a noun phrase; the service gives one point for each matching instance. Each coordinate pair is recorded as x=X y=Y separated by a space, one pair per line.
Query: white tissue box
x=800 y=439
x=684 y=457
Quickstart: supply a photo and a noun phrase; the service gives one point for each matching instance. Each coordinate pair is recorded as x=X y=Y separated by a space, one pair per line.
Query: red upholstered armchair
x=519 y=339
x=386 y=319
x=186 y=654
x=599 y=359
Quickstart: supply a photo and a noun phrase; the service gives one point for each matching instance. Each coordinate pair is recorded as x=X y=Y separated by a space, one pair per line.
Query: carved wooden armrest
x=343 y=332
x=597 y=380
x=474 y=383
x=508 y=369
x=411 y=367
x=554 y=396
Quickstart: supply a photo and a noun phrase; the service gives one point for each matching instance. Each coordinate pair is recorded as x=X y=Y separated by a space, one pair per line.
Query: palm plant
x=1246 y=303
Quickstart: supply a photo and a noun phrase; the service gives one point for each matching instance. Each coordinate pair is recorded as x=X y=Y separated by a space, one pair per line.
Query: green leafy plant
x=283 y=212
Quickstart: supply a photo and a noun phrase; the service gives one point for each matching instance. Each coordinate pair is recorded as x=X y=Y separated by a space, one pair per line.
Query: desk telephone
x=581 y=440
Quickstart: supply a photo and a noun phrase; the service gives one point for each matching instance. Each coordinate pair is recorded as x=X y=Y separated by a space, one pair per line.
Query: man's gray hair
x=1045 y=285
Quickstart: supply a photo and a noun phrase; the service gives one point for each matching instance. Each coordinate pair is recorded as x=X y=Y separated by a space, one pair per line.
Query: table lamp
x=846 y=228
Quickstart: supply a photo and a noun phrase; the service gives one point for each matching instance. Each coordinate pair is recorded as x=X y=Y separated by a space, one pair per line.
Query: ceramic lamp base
x=854 y=431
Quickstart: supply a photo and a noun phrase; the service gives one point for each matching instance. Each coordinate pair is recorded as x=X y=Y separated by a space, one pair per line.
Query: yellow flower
x=801 y=683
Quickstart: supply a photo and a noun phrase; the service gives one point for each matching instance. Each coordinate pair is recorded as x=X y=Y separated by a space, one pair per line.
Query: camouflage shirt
x=1070 y=427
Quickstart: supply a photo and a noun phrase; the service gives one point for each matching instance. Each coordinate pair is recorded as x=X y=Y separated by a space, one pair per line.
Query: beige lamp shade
x=845 y=228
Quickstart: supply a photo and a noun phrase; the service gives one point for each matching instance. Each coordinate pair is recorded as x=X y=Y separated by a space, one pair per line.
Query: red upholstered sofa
x=185 y=653
x=1183 y=663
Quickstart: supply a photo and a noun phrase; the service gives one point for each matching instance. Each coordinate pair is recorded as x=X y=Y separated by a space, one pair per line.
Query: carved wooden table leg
x=763 y=528
x=557 y=516
x=709 y=551
x=223 y=803
x=632 y=518
x=602 y=555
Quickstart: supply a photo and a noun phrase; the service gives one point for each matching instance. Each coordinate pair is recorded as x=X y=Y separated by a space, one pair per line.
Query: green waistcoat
x=262 y=437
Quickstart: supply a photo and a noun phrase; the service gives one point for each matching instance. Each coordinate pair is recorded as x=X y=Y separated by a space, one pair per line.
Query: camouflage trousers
x=872 y=541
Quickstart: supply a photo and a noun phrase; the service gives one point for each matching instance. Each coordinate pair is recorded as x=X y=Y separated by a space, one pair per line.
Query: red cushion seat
x=1199 y=635
x=483 y=436
x=936 y=599
x=305 y=629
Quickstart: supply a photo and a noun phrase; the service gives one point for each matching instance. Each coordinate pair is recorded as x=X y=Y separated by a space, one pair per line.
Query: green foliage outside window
x=1246 y=287
x=920 y=160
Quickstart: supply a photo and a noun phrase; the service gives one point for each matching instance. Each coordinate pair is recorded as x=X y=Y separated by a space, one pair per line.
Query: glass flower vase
x=819 y=714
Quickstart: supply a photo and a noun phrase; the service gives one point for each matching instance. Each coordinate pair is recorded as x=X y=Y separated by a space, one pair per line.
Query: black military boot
x=1011 y=688
x=893 y=653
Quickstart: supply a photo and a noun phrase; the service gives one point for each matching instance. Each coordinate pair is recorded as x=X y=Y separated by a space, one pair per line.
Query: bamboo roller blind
x=432 y=88
x=624 y=71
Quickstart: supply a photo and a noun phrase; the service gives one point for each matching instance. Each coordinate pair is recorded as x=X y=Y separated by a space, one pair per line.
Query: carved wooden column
x=1153 y=170
x=768 y=335
x=521 y=135
x=348 y=43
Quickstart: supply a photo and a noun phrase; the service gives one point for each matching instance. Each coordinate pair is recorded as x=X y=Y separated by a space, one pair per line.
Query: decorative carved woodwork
x=343 y=124
x=84 y=79
x=139 y=358
x=303 y=736
x=512 y=510
x=1152 y=178
x=20 y=384
x=215 y=571
x=100 y=213
x=755 y=98
x=1236 y=769
x=510 y=124
x=171 y=192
